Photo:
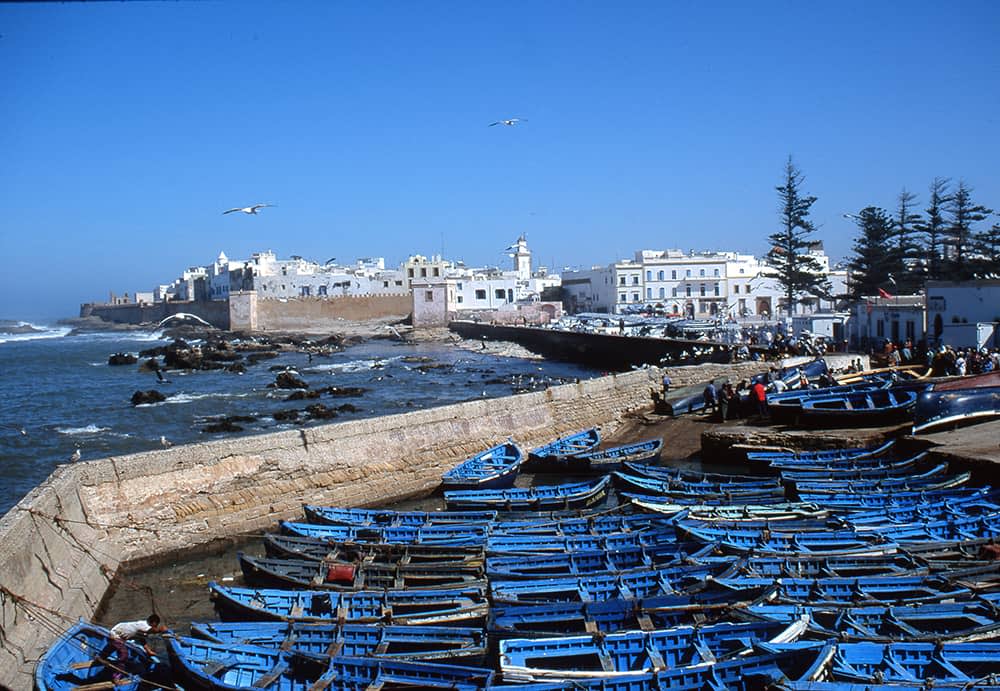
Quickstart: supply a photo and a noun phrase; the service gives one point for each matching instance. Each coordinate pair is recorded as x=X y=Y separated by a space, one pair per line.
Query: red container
x=339 y=573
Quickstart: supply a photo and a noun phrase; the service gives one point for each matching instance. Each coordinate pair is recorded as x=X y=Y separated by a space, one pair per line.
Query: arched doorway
x=938 y=326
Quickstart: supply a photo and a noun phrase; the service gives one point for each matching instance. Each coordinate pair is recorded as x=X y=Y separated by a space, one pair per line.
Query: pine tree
x=907 y=273
x=988 y=245
x=933 y=227
x=798 y=273
x=876 y=254
x=960 y=236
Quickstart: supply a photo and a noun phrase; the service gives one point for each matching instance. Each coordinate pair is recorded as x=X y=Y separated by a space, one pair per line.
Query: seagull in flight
x=251 y=210
x=509 y=122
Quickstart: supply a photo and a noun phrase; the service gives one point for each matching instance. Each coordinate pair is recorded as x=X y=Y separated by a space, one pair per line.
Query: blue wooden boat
x=739 y=673
x=903 y=468
x=447 y=535
x=847 y=566
x=955 y=621
x=845 y=592
x=494 y=468
x=933 y=479
x=772 y=513
x=862 y=408
x=565 y=447
x=744 y=492
x=322 y=549
x=686 y=399
x=383 y=518
x=83 y=658
x=607 y=460
x=617 y=654
x=874 y=462
x=949 y=530
x=941 y=509
x=461 y=606
x=595 y=587
x=361 y=673
x=206 y=666
x=533 y=544
x=937 y=410
x=463 y=645
x=824 y=455
x=575 y=495
x=786 y=407
x=845 y=500
x=269 y=572
x=678 y=501
x=765 y=540
x=554 y=565
x=657 y=472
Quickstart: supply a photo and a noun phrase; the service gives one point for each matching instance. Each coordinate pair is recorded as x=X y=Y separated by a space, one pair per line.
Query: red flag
x=883 y=294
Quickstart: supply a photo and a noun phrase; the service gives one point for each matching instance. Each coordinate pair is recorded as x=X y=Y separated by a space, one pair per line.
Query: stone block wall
x=322 y=314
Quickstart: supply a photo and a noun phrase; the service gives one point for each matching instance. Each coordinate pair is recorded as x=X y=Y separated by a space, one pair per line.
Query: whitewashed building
x=877 y=319
x=964 y=314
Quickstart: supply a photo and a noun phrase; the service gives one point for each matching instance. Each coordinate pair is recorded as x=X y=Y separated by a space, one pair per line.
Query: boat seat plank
x=272 y=676
x=104 y=685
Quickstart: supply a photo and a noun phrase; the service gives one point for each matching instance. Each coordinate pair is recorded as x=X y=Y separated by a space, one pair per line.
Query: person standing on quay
x=725 y=399
x=666 y=382
x=760 y=395
x=711 y=398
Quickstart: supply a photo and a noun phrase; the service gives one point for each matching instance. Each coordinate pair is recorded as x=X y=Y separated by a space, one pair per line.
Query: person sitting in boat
x=132 y=631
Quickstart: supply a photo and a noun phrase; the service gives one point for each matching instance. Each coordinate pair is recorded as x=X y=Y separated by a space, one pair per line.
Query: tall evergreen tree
x=908 y=271
x=876 y=254
x=933 y=228
x=960 y=236
x=988 y=246
x=798 y=272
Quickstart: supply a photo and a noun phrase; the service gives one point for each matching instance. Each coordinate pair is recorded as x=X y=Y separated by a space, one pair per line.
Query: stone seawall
x=61 y=546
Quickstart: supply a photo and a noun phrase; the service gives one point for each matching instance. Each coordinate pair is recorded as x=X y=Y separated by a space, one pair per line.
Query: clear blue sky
x=129 y=127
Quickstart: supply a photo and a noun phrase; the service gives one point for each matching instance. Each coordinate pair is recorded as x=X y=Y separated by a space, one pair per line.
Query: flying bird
x=251 y=210
x=510 y=122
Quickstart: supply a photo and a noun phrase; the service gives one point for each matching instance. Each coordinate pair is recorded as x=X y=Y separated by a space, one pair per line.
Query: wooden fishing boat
x=575 y=495
x=784 y=511
x=383 y=518
x=825 y=455
x=861 y=408
x=845 y=592
x=83 y=658
x=973 y=381
x=786 y=407
x=844 y=500
x=534 y=544
x=657 y=472
x=555 y=565
x=908 y=467
x=494 y=468
x=937 y=410
x=738 y=490
x=847 y=566
x=450 y=535
x=461 y=606
x=303 y=573
x=205 y=666
x=556 y=454
x=942 y=509
x=765 y=540
x=929 y=480
x=966 y=663
x=873 y=462
x=596 y=587
x=608 y=460
x=463 y=645
x=949 y=530
x=621 y=654
x=686 y=399
x=955 y=621
x=360 y=673
x=321 y=549
x=680 y=499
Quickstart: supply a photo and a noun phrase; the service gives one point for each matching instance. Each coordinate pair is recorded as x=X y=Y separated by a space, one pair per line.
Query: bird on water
x=510 y=122
x=251 y=210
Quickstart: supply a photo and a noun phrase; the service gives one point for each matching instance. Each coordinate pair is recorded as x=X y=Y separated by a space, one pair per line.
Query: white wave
x=89 y=429
x=191 y=397
x=353 y=365
x=44 y=331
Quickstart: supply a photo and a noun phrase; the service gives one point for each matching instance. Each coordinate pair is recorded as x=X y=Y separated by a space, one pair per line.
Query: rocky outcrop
x=147 y=397
x=118 y=359
x=289 y=380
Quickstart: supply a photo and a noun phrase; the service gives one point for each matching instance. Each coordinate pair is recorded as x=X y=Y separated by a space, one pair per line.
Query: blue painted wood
x=575 y=495
x=494 y=468
x=64 y=666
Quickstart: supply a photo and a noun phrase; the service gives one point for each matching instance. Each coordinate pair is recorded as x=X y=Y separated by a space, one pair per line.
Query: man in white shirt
x=134 y=631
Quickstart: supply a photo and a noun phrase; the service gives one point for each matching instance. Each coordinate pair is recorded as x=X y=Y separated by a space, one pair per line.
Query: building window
x=911 y=332
x=499 y=293
x=716 y=290
x=688 y=273
x=459 y=299
x=688 y=290
x=663 y=292
x=673 y=275
x=716 y=272
x=409 y=272
x=480 y=294
x=458 y=285
x=880 y=328
x=304 y=291
x=428 y=296
x=649 y=293
x=399 y=283
x=621 y=297
x=385 y=284
x=635 y=297
x=736 y=289
x=437 y=271
x=649 y=275
x=510 y=295
x=321 y=290
x=635 y=280
x=423 y=273
x=659 y=275
x=621 y=280
x=748 y=289
x=282 y=286
x=673 y=292
x=702 y=289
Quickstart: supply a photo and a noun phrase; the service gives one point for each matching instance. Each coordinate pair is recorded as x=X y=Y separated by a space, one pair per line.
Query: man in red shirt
x=760 y=395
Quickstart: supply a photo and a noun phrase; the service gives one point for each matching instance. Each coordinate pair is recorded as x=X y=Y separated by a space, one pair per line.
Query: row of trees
x=897 y=251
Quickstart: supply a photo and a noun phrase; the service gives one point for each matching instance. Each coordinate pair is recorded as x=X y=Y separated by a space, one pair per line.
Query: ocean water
x=59 y=394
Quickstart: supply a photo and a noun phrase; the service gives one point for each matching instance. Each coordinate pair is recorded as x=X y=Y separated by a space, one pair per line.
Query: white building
x=877 y=319
x=964 y=314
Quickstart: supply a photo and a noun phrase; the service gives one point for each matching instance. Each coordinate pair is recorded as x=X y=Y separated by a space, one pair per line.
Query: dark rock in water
x=221 y=355
x=347 y=408
x=254 y=358
x=285 y=415
x=153 y=352
x=289 y=380
x=210 y=365
x=302 y=395
x=122 y=359
x=345 y=390
x=416 y=358
x=8 y=327
x=224 y=426
x=237 y=368
x=318 y=411
x=435 y=366
x=146 y=397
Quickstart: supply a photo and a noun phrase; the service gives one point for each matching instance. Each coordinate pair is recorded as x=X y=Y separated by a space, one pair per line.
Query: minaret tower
x=522 y=259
